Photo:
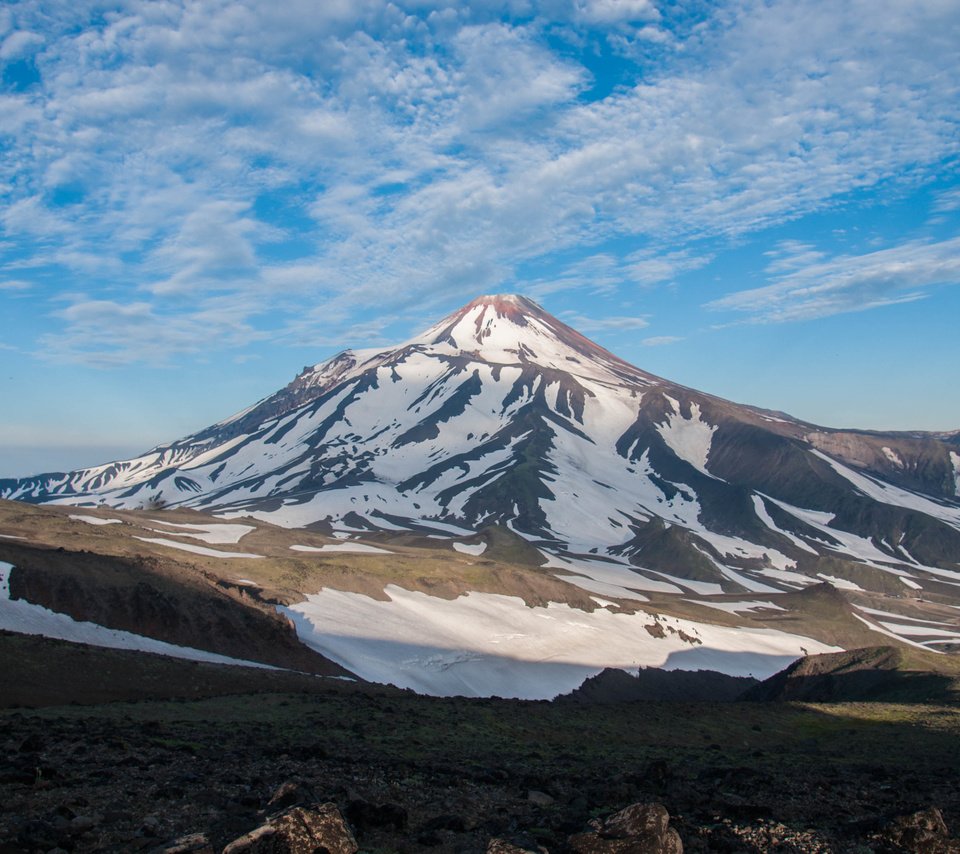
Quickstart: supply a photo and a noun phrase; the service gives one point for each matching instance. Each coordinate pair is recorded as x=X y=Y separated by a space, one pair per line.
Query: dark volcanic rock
x=364 y=815
x=617 y=686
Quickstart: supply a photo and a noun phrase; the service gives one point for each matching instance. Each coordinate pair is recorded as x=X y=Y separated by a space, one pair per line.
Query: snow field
x=483 y=644
x=888 y=494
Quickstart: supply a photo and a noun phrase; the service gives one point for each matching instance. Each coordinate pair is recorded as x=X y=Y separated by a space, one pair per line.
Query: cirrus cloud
x=849 y=283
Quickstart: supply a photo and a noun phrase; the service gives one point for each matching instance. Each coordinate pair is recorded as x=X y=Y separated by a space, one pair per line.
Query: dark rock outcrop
x=617 y=686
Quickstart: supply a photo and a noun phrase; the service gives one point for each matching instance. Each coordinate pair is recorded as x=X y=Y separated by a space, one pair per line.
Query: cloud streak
x=850 y=283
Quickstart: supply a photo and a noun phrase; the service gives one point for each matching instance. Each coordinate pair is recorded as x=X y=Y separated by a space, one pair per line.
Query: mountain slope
x=502 y=414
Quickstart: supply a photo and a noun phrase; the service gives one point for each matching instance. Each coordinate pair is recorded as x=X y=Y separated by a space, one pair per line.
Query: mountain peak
x=513 y=329
x=505 y=304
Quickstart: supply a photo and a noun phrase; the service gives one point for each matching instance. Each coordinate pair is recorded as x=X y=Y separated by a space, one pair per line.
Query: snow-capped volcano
x=502 y=414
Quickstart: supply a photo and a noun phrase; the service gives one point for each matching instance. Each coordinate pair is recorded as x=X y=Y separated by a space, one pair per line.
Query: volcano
x=502 y=417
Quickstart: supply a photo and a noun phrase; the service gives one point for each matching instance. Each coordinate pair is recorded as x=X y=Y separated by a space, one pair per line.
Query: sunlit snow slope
x=501 y=414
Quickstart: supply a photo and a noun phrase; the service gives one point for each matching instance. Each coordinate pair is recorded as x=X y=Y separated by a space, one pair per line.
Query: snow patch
x=955 y=459
x=474 y=549
x=689 y=439
x=216 y=534
x=608 y=573
x=353 y=548
x=96 y=520
x=762 y=513
x=840 y=583
x=738 y=607
x=592 y=586
x=213 y=453
x=876 y=612
x=792 y=579
x=883 y=631
x=912 y=630
x=486 y=644
x=197 y=550
x=892 y=456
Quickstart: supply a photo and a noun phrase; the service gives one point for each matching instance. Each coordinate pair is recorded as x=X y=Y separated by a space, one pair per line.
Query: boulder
x=317 y=830
x=636 y=829
x=920 y=831
x=505 y=846
x=194 y=843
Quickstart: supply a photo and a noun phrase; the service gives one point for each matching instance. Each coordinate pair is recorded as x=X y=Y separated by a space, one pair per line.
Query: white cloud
x=651 y=268
x=605 y=324
x=504 y=78
x=949 y=200
x=107 y=333
x=212 y=247
x=616 y=11
x=850 y=283
x=322 y=158
x=790 y=255
x=660 y=340
x=19 y=43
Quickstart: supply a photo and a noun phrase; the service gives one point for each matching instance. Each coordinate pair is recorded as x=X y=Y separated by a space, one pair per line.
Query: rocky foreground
x=365 y=769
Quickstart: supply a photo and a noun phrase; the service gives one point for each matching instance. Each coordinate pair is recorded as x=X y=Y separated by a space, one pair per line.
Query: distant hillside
x=650 y=683
x=880 y=673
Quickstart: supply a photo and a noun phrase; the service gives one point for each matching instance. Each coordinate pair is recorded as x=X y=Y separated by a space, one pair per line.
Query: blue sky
x=757 y=199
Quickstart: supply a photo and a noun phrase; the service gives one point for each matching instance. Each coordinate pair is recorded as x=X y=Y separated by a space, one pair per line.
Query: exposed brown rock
x=920 y=831
x=299 y=831
x=194 y=843
x=636 y=829
x=503 y=846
